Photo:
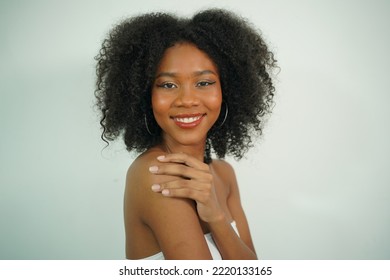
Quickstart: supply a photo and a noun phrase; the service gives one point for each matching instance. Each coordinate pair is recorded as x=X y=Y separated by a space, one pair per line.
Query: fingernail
x=156 y=187
x=161 y=157
x=153 y=169
x=165 y=192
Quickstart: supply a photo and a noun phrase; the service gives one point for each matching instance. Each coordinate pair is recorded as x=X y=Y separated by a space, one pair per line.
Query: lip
x=188 y=120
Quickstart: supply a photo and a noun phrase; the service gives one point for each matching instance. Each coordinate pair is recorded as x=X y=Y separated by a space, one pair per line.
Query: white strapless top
x=210 y=243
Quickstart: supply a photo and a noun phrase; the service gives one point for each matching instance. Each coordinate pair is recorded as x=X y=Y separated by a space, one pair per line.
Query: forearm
x=230 y=245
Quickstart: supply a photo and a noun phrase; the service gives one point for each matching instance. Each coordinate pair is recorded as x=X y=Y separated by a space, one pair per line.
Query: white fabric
x=210 y=242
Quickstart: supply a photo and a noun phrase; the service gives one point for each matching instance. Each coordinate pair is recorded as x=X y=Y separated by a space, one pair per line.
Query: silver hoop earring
x=226 y=114
x=146 y=125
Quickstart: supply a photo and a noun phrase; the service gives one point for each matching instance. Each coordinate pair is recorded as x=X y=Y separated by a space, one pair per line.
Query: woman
x=178 y=90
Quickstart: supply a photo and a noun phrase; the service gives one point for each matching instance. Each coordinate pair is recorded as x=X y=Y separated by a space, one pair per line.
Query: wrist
x=218 y=219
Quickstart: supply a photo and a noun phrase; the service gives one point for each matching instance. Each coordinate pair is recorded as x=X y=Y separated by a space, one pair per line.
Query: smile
x=189 y=121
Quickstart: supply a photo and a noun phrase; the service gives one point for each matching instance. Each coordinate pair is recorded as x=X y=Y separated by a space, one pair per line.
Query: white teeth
x=188 y=120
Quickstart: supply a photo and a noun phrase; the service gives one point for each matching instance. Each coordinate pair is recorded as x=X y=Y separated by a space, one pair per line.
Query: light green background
x=315 y=187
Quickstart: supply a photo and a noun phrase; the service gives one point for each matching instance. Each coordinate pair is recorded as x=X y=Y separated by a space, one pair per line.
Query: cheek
x=159 y=103
x=215 y=100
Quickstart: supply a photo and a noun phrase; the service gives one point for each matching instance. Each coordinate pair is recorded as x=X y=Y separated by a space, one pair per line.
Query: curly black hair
x=129 y=57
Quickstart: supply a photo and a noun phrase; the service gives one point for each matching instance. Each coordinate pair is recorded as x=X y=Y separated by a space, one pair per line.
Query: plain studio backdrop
x=315 y=186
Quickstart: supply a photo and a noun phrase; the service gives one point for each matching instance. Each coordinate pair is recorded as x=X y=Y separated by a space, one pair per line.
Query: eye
x=167 y=85
x=204 y=83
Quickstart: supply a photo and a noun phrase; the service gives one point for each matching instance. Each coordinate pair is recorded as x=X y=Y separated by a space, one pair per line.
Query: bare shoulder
x=224 y=171
x=223 y=166
x=140 y=240
x=142 y=161
x=137 y=173
x=138 y=183
x=172 y=224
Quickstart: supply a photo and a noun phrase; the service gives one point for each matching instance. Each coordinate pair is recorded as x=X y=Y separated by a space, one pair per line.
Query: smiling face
x=186 y=95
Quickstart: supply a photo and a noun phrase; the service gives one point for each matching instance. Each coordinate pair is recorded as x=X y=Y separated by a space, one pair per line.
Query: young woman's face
x=186 y=94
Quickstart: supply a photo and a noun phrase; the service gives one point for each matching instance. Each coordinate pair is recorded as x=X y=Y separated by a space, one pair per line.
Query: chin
x=190 y=141
x=186 y=138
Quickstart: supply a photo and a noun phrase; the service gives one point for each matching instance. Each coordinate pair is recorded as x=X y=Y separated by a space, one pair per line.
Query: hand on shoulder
x=193 y=180
x=173 y=219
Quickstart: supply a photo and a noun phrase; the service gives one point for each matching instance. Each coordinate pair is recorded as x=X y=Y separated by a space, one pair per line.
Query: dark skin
x=172 y=197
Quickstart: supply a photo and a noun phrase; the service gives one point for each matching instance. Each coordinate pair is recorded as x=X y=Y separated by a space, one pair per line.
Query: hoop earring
x=226 y=114
x=146 y=125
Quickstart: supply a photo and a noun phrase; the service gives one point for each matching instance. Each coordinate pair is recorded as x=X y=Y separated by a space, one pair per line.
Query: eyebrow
x=196 y=73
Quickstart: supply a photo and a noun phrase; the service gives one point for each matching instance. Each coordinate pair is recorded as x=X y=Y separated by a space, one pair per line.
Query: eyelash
x=199 y=84
x=167 y=85
x=205 y=83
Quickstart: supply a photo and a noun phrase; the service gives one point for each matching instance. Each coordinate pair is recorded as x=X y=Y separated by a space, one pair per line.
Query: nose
x=187 y=97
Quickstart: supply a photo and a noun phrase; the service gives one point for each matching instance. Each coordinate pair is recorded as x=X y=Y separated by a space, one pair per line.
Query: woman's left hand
x=194 y=181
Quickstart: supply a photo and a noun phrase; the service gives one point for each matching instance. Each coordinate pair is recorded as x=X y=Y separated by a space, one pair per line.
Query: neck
x=195 y=150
